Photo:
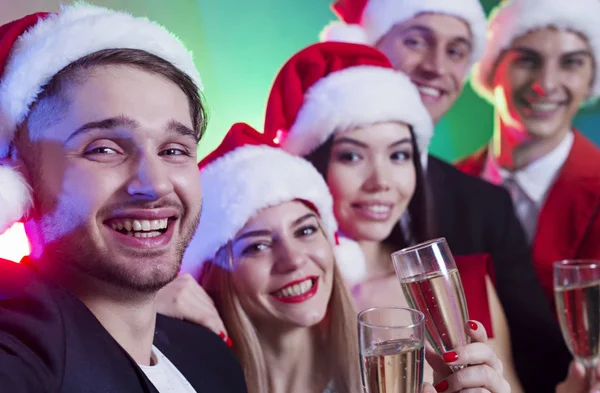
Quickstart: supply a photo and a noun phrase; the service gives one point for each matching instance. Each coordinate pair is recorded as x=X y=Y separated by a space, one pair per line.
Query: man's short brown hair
x=140 y=59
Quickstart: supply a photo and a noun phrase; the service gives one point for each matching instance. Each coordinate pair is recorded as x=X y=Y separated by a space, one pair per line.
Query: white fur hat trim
x=379 y=16
x=513 y=19
x=48 y=47
x=350 y=260
x=354 y=97
x=73 y=33
x=15 y=197
x=239 y=184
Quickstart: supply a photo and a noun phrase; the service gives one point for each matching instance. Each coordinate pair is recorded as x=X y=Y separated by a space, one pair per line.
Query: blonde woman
x=265 y=251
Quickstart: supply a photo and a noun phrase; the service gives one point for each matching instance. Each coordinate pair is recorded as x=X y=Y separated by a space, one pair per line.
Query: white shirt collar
x=536 y=178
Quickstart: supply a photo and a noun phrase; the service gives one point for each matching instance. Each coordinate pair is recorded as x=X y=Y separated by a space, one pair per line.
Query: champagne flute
x=431 y=284
x=577 y=297
x=391 y=349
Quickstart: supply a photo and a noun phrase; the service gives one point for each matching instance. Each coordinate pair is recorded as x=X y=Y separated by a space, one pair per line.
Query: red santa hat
x=35 y=48
x=332 y=87
x=249 y=172
x=515 y=18
x=366 y=21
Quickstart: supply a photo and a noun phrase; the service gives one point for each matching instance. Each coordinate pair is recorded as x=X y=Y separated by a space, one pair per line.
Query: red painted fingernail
x=228 y=342
x=441 y=386
x=473 y=325
x=222 y=335
x=450 y=357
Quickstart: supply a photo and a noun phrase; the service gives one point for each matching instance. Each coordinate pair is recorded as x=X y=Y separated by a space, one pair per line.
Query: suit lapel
x=187 y=362
x=572 y=203
x=443 y=205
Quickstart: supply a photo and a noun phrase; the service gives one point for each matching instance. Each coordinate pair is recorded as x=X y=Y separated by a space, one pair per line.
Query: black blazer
x=51 y=342
x=477 y=217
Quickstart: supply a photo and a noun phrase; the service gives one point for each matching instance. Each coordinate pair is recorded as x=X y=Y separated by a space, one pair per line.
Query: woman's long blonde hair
x=340 y=328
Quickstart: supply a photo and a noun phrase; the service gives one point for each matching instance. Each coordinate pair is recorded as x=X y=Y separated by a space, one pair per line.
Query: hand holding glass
x=431 y=284
x=391 y=349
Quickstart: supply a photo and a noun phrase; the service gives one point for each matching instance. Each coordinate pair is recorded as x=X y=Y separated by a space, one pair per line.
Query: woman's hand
x=577 y=380
x=185 y=299
x=483 y=371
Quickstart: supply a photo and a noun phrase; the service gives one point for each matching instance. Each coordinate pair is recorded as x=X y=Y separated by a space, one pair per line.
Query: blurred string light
x=14 y=244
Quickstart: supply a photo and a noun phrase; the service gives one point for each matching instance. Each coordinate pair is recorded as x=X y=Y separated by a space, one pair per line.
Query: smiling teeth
x=295 y=290
x=143 y=234
x=378 y=208
x=140 y=227
x=430 y=91
x=544 y=107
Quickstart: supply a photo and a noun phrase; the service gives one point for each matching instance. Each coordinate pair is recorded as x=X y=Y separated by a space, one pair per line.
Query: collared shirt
x=529 y=186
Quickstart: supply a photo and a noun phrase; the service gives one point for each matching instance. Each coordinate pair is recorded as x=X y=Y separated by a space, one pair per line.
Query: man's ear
x=15 y=192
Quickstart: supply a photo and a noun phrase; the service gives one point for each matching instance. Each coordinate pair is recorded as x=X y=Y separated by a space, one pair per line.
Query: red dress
x=473 y=269
x=569 y=220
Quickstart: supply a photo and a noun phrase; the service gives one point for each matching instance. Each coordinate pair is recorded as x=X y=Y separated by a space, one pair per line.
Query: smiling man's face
x=541 y=81
x=435 y=51
x=112 y=162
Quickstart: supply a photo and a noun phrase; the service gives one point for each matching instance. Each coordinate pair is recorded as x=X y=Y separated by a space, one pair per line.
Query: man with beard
x=435 y=42
x=100 y=115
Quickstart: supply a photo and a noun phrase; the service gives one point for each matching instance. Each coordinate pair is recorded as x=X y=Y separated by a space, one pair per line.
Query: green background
x=239 y=46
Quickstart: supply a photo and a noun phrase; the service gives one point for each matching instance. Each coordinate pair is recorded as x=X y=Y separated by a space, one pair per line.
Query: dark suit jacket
x=477 y=217
x=51 y=342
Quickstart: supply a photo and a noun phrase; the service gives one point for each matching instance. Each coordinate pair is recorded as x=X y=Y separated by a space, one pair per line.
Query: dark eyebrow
x=345 y=139
x=264 y=232
x=106 y=124
x=528 y=51
x=524 y=50
x=582 y=52
x=183 y=130
x=303 y=218
x=420 y=28
x=253 y=234
x=462 y=40
x=364 y=145
x=124 y=121
x=400 y=142
x=427 y=30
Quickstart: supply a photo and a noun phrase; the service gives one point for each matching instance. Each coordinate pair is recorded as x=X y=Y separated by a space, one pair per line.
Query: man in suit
x=435 y=42
x=100 y=115
x=541 y=76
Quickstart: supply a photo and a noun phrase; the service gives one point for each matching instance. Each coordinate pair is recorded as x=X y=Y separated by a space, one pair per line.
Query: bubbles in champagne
x=578 y=309
x=441 y=298
x=394 y=366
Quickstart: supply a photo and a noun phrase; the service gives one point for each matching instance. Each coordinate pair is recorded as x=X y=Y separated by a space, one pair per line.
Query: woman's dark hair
x=420 y=211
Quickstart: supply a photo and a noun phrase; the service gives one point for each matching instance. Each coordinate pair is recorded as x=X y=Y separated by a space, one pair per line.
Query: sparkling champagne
x=394 y=366
x=442 y=300
x=578 y=309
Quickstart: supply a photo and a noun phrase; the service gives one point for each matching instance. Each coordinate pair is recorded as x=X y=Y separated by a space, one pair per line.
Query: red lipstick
x=297 y=298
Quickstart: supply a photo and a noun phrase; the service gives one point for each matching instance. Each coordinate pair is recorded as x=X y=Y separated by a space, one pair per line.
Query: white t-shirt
x=164 y=375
